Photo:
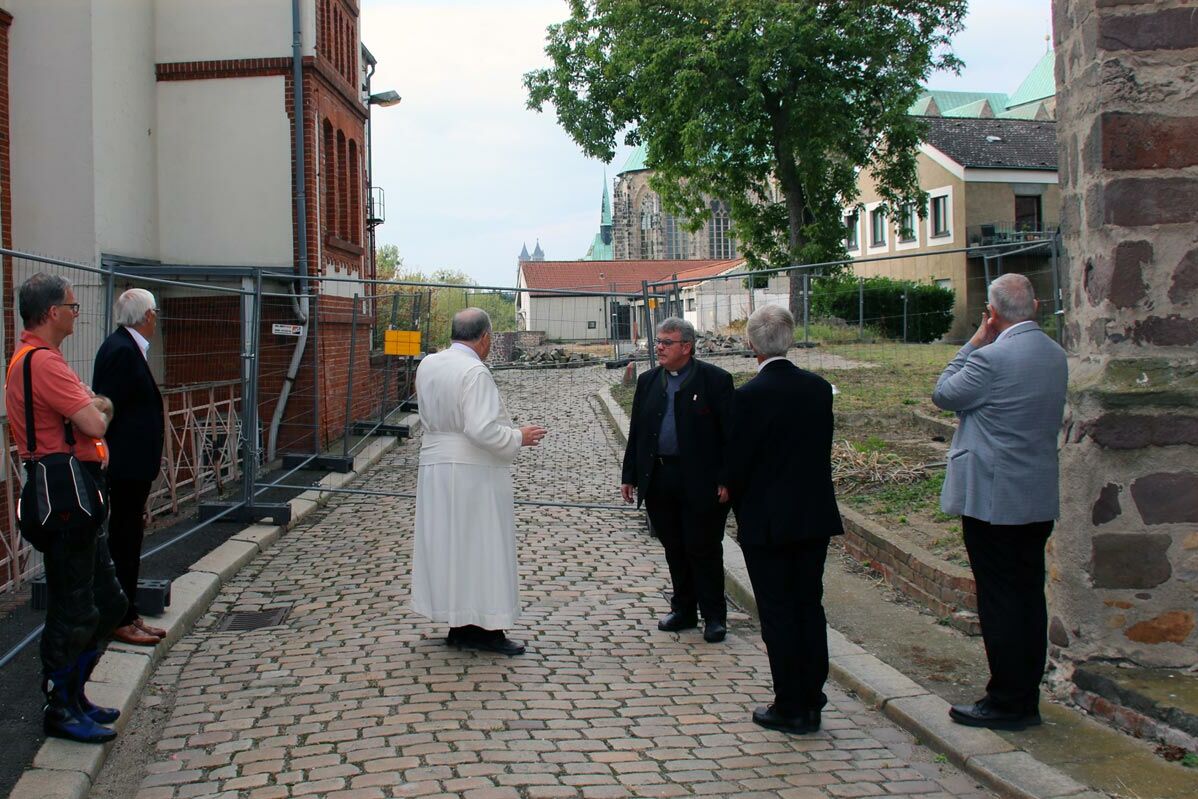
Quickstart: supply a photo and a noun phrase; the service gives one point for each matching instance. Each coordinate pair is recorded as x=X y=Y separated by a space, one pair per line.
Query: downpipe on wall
x=299 y=301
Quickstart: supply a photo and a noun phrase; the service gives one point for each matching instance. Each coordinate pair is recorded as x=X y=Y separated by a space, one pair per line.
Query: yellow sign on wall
x=401 y=342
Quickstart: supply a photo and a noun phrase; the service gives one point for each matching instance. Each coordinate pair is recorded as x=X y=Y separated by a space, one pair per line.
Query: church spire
x=538 y=254
x=523 y=252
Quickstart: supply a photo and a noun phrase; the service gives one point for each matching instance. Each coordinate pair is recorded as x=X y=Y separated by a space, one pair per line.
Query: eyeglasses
x=74 y=306
x=665 y=342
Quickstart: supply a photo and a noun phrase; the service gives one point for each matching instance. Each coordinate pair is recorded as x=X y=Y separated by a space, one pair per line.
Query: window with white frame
x=939 y=215
x=877 y=228
x=906 y=223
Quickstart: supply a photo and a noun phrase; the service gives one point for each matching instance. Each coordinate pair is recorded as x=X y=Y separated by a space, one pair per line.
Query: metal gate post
x=861 y=308
x=109 y=292
x=906 y=293
x=650 y=328
x=349 y=389
x=248 y=509
x=806 y=307
x=1054 y=263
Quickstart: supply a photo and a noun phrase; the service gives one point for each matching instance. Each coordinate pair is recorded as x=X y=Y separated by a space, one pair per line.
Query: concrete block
x=301 y=507
x=227 y=559
x=872 y=680
x=59 y=755
x=1020 y=775
x=262 y=536
x=926 y=717
x=838 y=645
x=121 y=668
x=40 y=783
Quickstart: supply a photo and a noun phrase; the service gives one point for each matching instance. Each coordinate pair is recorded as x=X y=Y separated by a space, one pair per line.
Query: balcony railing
x=992 y=233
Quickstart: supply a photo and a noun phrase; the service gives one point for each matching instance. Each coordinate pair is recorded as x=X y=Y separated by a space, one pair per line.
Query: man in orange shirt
x=84 y=599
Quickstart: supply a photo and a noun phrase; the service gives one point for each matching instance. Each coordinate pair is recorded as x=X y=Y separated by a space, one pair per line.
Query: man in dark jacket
x=678 y=440
x=122 y=372
x=786 y=512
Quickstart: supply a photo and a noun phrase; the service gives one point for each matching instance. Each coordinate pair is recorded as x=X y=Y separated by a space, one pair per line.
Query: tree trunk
x=796 y=207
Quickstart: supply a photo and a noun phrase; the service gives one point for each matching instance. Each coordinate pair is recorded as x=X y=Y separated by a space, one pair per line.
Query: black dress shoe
x=795 y=725
x=674 y=621
x=984 y=713
x=472 y=637
x=714 y=632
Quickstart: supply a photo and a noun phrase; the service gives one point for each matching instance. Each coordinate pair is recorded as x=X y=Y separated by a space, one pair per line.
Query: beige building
x=992 y=189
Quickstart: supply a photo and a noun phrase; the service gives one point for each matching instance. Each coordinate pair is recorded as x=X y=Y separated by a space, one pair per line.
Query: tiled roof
x=995 y=143
x=620 y=277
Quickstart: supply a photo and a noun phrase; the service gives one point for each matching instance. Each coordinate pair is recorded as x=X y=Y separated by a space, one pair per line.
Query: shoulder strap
x=30 y=428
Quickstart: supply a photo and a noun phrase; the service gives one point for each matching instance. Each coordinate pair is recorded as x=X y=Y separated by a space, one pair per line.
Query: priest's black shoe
x=984 y=713
x=674 y=621
x=472 y=637
x=798 y=724
x=714 y=632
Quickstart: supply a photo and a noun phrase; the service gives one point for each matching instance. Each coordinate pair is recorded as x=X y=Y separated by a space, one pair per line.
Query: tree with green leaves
x=772 y=105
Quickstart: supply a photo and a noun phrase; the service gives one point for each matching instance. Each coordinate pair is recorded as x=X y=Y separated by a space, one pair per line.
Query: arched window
x=646 y=215
x=343 y=184
x=328 y=171
x=719 y=240
x=355 y=195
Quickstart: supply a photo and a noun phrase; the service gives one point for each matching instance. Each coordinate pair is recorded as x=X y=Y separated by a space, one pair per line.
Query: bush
x=929 y=307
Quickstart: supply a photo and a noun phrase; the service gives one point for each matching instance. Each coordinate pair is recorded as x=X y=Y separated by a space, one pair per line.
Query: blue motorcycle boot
x=63 y=718
x=83 y=668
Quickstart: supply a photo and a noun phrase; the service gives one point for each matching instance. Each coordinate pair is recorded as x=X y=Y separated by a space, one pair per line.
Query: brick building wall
x=1124 y=559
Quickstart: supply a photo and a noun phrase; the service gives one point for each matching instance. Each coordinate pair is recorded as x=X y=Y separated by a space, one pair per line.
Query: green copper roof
x=1027 y=111
x=1040 y=83
x=976 y=110
x=636 y=160
x=598 y=251
x=947 y=101
x=605 y=211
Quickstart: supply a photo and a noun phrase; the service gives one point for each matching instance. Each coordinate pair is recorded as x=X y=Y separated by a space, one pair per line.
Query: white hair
x=771 y=330
x=131 y=307
x=1013 y=297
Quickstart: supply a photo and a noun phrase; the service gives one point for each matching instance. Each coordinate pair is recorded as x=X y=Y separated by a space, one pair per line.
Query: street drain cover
x=240 y=620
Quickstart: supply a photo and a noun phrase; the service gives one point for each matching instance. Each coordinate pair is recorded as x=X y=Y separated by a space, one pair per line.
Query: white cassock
x=464 y=559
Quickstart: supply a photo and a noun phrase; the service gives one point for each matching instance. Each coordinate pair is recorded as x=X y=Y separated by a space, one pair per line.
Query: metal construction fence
x=260 y=367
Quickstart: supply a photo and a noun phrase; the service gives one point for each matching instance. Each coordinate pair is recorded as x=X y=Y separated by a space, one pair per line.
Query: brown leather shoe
x=140 y=624
x=130 y=634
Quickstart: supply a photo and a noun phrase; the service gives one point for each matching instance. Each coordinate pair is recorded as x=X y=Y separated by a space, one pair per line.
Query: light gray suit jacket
x=1009 y=397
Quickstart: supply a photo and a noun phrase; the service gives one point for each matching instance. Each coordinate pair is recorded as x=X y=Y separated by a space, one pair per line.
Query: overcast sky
x=470 y=175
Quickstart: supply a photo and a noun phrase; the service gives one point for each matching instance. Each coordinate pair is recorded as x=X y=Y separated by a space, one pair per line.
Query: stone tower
x=1123 y=575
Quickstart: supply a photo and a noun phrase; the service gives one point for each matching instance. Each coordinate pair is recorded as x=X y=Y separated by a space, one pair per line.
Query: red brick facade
x=334 y=119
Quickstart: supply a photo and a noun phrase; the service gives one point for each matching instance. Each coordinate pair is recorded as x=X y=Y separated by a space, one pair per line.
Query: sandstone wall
x=1124 y=560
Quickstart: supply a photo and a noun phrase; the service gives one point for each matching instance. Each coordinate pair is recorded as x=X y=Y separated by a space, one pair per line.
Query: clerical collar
x=683 y=370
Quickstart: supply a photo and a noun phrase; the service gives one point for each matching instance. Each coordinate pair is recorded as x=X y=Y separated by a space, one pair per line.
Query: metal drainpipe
x=299 y=301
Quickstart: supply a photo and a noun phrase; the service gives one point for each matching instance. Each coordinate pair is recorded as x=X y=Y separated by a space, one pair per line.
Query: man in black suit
x=122 y=372
x=785 y=504
x=678 y=440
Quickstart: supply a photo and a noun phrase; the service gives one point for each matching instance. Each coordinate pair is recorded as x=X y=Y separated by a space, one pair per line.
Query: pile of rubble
x=716 y=344
x=550 y=357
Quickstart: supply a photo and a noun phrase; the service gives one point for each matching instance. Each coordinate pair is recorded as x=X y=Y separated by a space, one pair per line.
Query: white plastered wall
x=125 y=124
x=224 y=172
x=50 y=90
x=212 y=30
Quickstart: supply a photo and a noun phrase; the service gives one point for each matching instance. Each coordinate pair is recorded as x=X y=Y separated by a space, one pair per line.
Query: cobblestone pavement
x=353 y=696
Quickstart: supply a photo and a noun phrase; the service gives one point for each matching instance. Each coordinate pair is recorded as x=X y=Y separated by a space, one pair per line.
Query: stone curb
x=980 y=753
x=66 y=769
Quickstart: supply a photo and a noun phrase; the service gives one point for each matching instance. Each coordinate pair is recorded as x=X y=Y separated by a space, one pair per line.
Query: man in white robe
x=464 y=563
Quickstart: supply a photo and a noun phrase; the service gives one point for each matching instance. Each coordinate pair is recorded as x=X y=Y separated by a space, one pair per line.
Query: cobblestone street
x=353 y=696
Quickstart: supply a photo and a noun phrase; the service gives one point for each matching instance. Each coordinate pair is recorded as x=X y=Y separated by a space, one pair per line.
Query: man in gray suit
x=1007 y=386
